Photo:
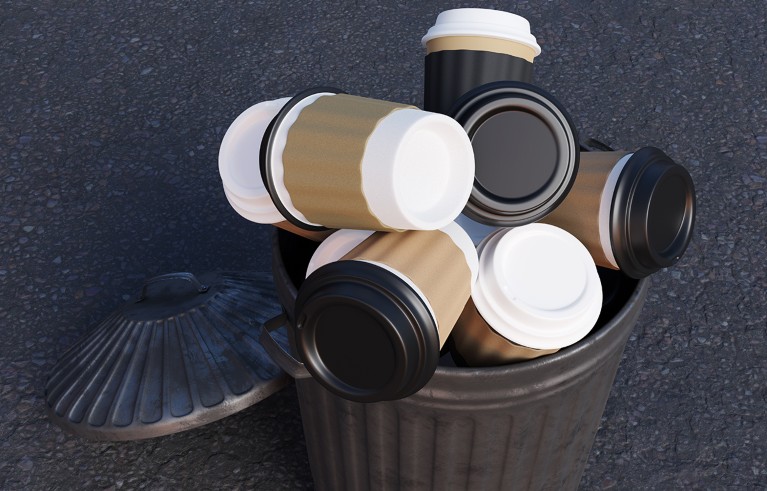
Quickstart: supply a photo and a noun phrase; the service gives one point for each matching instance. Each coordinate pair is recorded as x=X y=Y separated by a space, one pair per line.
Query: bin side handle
x=285 y=360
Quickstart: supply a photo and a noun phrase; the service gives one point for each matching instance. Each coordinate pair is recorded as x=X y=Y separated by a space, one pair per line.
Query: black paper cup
x=470 y=47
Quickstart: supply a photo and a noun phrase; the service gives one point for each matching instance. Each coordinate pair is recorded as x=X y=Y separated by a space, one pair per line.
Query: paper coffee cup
x=525 y=148
x=248 y=210
x=632 y=211
x=477 y=344
x=470 y=47
x=238 y=166
x=340 y=161
x=537 y=288
x=372 y=316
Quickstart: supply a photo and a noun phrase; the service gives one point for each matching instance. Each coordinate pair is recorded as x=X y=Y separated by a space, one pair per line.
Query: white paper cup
x=538 y=286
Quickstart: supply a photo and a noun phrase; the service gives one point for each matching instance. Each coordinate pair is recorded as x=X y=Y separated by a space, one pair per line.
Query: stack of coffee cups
x=476 y=220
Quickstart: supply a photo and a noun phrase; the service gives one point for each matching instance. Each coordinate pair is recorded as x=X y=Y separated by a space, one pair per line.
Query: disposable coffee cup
x=633 y=211
x=537 y=291
x=470 y=47
x=375 y=309
x=240 y=173
x=250 y=210
x=525 y=149
x=334 y=160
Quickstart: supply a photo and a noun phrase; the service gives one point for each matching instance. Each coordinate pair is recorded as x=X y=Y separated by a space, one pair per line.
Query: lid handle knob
x=172 y=277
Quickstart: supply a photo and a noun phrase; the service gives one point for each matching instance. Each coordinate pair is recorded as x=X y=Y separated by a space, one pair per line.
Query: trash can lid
x=184 y=353
x=526 y=152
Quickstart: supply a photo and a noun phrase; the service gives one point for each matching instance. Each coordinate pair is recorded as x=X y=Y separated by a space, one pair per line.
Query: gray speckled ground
x=111 y=120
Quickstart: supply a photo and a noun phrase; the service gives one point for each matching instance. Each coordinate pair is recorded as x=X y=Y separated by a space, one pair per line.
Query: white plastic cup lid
x=538 y=286
x=238 y=159
x=483 y=23
x=417 y=170
x=336 y=246
x=251 y=209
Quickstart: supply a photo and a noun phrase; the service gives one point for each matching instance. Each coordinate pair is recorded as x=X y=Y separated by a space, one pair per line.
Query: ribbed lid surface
x=183 y=354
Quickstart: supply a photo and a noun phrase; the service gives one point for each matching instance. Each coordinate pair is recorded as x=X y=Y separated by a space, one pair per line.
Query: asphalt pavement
x=112 y=116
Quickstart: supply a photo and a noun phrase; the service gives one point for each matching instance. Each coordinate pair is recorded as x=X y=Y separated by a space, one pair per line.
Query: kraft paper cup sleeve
x=585 y=211
x=323 y=160
x=441 y=270
x=475 y=343
x=267 y=150
x=481 y=45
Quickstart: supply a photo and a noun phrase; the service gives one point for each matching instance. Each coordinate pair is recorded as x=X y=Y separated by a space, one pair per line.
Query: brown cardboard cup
x=633 y=211
x=323 y=156
x=476 y=343
x=579 y=213
x=371 y=321
x=342 y=161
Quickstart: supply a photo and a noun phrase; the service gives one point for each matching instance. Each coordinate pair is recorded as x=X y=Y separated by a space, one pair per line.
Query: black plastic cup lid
x=364 y=333
x=267 y=150
x=653 y=213
x=526 y=152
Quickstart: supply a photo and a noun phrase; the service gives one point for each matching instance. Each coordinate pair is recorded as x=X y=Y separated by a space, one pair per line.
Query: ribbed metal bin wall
x=528 y=425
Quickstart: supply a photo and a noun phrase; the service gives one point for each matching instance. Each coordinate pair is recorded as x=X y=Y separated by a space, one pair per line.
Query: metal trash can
x=528 y=425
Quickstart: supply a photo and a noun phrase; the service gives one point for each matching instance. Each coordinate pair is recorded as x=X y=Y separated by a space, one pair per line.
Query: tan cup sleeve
x=479 y=43
x=479 y=345
x=323 y=159
x=432 y=261
x=315 y=235
x=579 y=212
